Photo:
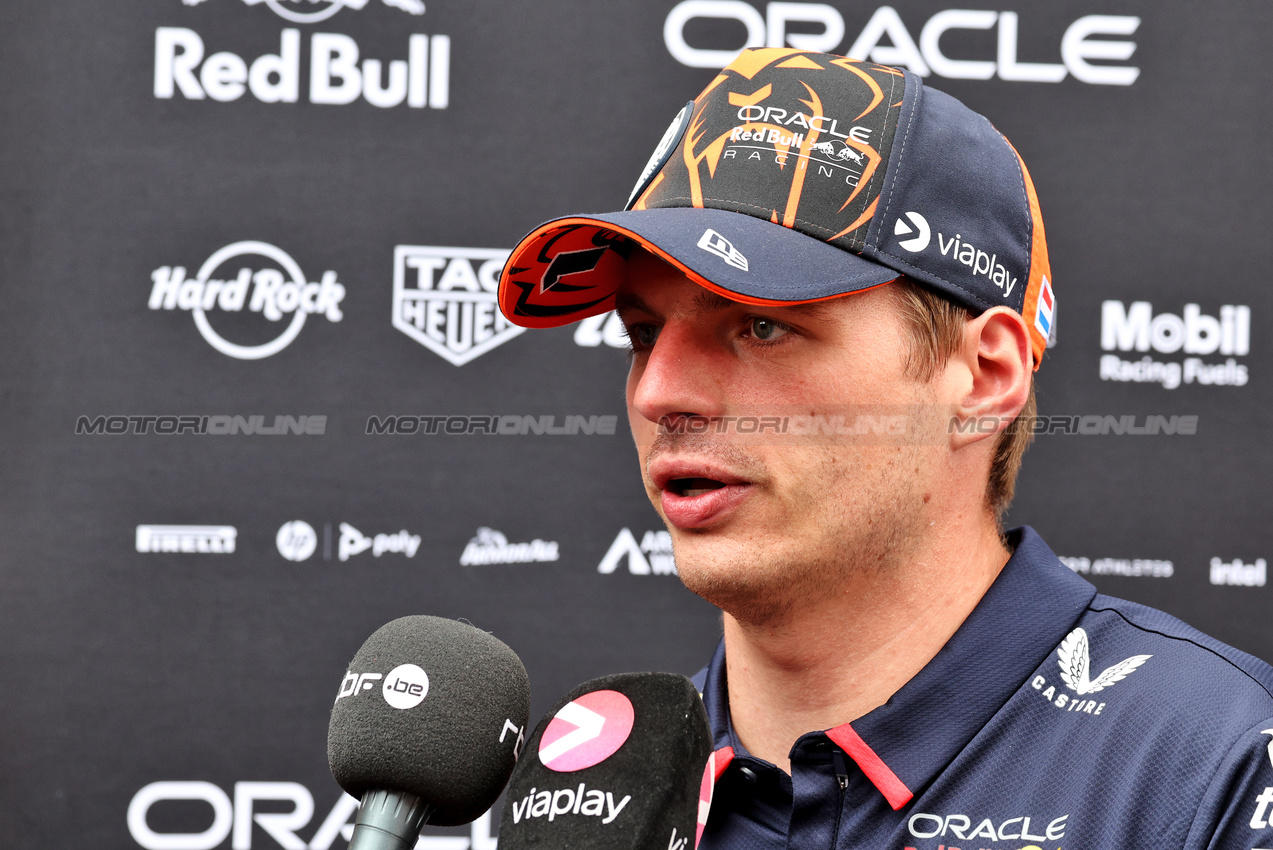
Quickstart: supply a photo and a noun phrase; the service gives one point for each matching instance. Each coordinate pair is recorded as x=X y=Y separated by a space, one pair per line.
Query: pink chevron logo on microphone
x=586 y=731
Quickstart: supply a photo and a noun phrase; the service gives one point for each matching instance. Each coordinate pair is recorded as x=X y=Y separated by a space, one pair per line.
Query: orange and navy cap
x=797 y=177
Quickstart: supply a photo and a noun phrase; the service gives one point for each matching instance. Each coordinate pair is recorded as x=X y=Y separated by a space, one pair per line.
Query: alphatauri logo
x=918 y=227
x=1073 y=656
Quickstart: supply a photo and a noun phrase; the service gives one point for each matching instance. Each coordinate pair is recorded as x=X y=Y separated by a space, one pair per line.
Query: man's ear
x=998 y=360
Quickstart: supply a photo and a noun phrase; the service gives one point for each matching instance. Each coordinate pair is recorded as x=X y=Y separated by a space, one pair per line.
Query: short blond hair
x=936 y=328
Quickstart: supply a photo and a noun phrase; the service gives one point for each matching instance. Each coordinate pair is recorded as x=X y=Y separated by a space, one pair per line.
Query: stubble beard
x=765 y=578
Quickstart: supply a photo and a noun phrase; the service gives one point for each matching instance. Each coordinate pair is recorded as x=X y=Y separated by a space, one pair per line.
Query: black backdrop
x=176 y=608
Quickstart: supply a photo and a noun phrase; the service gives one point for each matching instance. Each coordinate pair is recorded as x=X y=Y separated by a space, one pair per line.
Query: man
x=836 y=287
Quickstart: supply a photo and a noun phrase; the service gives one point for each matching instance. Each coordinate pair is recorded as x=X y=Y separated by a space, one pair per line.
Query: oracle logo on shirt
x=965 y=828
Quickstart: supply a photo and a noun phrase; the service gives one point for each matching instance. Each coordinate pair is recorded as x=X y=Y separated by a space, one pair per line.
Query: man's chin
x=728 y=574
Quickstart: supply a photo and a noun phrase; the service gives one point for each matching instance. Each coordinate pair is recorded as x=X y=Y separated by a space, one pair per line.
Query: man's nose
x=682 y=376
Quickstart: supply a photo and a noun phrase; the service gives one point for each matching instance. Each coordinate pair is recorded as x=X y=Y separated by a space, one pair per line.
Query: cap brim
x=569 y=268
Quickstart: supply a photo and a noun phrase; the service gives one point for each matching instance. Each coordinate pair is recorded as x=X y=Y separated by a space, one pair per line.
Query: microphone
x=427 y=726
x=617 y=764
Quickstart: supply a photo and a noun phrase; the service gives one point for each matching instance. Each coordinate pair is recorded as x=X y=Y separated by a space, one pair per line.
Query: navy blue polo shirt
x=1055 y=717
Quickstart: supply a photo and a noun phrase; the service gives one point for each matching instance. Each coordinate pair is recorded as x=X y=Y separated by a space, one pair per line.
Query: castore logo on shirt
x=1074 y=659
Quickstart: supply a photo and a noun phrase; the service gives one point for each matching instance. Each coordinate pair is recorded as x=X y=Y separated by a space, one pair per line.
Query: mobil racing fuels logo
x=239 y=280
x=445 y=299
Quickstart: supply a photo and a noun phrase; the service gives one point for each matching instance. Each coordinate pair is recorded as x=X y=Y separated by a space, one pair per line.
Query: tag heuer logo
x=1074 y=660
x=445 y=299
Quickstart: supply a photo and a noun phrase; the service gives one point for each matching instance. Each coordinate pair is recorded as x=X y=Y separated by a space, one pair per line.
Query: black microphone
x=617 y=763
x=426 y=727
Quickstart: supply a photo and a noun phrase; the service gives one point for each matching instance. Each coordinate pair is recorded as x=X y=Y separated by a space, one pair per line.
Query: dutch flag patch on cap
x=1046 y=309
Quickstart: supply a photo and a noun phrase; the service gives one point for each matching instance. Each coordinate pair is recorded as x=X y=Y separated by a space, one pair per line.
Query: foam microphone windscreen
x=617 y=763
x=434 y=708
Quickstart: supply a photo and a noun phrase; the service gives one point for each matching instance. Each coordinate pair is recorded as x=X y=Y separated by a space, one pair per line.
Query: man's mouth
x=690 y=487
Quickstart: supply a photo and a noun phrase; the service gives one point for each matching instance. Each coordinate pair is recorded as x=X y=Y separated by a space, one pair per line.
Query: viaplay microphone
x=616 y=764
x=426 y=728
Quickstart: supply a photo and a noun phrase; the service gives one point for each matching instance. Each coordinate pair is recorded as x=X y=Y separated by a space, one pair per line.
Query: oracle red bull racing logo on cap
x=797 y=138
x=270 y=284
x=586 y=731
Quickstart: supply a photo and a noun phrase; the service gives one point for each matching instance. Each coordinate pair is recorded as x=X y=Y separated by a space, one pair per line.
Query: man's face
x=763 y=521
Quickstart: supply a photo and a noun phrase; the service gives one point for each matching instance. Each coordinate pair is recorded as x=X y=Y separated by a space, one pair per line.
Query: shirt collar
x=1025 y=614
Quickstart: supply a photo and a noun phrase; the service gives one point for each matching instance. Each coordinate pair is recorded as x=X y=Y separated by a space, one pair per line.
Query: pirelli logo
x=217 y=539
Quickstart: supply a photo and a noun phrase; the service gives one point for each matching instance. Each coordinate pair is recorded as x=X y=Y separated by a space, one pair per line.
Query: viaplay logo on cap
x=586 y=731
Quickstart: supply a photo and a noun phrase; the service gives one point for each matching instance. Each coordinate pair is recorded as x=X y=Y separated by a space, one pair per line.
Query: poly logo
x=277 y=288
x=288 y=8
x=713 y=243
x=296 y=540
x=406 y=686
x=1074 y=661
x=586 y=731
x=918 y=226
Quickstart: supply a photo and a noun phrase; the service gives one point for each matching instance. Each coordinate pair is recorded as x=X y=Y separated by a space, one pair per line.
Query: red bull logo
x=338 y=73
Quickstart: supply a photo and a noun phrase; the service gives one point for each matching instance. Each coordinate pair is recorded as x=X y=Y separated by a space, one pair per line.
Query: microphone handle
x=388 y=820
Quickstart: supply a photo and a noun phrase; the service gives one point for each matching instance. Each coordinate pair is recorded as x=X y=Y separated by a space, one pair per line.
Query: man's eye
x=643 y=336
x=767 y=330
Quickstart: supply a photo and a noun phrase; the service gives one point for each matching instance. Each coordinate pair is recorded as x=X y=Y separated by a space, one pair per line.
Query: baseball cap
x=797 y=177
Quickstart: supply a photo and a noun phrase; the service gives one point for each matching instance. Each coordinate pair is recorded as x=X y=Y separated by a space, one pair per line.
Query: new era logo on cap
x=713 y=243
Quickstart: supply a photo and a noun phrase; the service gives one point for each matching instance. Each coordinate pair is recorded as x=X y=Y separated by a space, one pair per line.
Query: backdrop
x=257 y=399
